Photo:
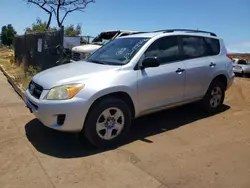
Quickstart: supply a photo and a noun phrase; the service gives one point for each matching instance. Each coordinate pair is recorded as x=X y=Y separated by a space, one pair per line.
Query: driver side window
x=165 y=49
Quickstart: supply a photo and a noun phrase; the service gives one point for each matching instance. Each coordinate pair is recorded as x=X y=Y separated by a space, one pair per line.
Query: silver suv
x=130 y=77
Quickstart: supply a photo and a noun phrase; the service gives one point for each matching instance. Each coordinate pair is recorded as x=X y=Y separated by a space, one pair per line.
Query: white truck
x=83 y=51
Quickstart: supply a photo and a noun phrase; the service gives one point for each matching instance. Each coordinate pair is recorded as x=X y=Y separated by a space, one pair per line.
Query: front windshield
x=119 y=51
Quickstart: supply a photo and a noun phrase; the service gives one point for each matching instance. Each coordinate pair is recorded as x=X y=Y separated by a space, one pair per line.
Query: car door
x=162 y=85
x=199 y=66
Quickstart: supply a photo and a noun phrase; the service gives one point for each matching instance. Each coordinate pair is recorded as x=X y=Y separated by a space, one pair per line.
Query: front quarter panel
x=110 y=82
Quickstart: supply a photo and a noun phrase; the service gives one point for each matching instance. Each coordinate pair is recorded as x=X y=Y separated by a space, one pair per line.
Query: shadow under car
x=68 y=145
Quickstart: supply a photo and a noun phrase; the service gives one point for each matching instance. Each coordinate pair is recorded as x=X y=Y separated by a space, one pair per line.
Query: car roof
x=153 y=34
x=143 y=35
x=125 y=31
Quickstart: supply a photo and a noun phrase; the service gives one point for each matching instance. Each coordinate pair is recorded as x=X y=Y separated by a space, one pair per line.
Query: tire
x=102 y=135
x=244 y=75
x=210 y=103
x=247 y=75
x=238 y=74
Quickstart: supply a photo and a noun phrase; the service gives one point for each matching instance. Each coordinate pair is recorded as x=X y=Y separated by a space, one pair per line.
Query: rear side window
x=195 y=47
x=213 y=45
x=165 y=49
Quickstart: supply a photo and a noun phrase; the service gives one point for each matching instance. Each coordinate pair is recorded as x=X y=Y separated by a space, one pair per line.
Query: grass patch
x=20 y=77
x=5 y=53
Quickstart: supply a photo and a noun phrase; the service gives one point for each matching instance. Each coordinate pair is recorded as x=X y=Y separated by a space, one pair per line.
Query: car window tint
x=165 y=49
x=194 y=47
x=242 y=62
x=213 y=45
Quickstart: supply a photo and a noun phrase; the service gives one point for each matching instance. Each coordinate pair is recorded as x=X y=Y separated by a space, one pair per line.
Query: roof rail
x=186 y=30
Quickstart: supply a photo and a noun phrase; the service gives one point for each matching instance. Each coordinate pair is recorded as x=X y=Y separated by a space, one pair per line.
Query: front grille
x=35 y=89
x=76 y=56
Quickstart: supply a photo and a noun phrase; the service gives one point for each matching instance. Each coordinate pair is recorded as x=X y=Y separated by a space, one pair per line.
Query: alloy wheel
x=110 y=123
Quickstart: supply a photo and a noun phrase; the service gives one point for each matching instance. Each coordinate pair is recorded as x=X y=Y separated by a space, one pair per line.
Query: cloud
x=230 y=50
x=246 y=44
x=233 y=50
x=243 y=47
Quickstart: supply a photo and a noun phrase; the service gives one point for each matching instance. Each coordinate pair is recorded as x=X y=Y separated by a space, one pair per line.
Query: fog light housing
x=61 y=119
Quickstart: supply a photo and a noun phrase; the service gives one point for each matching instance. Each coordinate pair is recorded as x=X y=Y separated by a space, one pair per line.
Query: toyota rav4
x=130 y=77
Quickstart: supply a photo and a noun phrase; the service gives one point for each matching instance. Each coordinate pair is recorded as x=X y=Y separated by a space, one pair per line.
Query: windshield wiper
x=105 y=62
x=96 y=61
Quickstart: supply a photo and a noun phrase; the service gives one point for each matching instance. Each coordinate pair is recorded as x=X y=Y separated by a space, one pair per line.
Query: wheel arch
x=124 y=96
x=222 y=78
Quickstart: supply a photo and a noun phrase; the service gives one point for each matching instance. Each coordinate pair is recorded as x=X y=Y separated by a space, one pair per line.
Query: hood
x=70 y=73
x=87 y=48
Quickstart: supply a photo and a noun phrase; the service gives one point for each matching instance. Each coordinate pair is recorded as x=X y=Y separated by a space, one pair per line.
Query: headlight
x=64 y=92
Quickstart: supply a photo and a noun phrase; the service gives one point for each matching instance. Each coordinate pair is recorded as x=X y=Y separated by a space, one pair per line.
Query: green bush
x=32 y=70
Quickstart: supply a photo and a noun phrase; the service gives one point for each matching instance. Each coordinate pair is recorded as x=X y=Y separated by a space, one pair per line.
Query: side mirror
x=150 y=62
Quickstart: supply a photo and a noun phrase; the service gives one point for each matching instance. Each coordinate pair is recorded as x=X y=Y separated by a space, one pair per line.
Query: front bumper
x=47 y=111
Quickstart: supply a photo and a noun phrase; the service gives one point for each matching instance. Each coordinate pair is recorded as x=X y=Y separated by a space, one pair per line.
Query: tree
x=4 y=36
x=43 y=5
x=72 y=31
x=8 y=34
x=60 y=8
x=39 y=26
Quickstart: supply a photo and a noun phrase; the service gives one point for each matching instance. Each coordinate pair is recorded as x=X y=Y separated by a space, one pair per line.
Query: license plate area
x=32 y=107
x=29 y=107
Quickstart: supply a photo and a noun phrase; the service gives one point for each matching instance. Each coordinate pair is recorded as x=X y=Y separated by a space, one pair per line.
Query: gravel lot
x=177 y=148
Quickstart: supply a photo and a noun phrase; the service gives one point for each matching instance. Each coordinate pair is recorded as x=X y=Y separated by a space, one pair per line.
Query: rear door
x=197 y=56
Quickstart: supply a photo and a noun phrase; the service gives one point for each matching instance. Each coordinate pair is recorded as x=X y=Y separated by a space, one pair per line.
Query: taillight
x=230 y=57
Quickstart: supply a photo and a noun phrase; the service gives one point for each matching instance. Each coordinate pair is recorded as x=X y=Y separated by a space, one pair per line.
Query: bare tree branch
x=61 y=8
x=58 y=13
x=42 y=4
x=78 y=5
x=65 y=15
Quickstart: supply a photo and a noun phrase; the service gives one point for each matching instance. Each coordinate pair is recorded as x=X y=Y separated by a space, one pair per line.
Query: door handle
x=212 y=64
x=179 y=70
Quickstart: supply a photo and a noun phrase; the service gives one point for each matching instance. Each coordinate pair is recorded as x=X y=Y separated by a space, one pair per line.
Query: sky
x=229 y=19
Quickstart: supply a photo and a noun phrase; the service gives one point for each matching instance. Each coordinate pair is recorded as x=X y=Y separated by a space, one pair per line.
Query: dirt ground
x=178 y=148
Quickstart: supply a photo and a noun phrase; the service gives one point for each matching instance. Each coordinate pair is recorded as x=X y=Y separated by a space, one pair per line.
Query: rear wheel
x=214 y=97
x=107 y=122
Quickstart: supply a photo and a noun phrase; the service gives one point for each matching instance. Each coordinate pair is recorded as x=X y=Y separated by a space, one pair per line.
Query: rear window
x=242 y=62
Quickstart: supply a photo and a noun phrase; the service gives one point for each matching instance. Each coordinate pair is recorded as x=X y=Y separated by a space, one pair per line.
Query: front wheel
x=214 y=97
x=107 y=122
